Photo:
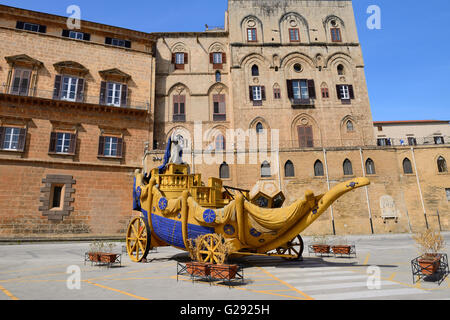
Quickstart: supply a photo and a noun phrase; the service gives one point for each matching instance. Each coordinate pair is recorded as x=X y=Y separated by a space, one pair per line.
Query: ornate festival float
x=177 y=208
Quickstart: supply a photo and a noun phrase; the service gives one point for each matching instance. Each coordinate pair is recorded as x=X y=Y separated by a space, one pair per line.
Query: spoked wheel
x=138 y=239
x=208 y=249
x=293 y=248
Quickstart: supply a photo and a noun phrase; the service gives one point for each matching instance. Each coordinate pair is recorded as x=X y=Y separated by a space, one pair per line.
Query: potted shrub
x=321 y=245
x=221 y=270
x=429 y=244
x=95 y=250
x=108 y=255
x=341 y=246
x=194 y=267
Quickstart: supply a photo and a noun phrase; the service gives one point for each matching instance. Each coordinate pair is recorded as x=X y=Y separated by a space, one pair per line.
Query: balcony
x=302 y=103
x=219 y=117
x=74 y=98
x=179 y=118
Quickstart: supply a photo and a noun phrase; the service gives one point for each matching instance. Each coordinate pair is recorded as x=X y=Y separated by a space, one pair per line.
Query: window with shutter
x=111 y=147
x=294 y=35
x=217 y=60
x=114 y=94
x=325 y=93
x=251 y=35
x=219 y=112
x=21 y=82
x=305 y=137
x=11 y=138
x=336 y=35
x=179 y=108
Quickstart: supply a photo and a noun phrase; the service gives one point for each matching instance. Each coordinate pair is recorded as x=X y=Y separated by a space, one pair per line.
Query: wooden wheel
x=209 y=249
x=293 y=248
x=138 y=239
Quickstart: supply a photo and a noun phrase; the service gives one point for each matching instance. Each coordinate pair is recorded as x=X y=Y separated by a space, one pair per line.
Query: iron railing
x=80 y=98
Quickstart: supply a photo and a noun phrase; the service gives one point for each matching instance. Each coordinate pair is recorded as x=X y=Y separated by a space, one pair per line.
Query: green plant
x=429 y=242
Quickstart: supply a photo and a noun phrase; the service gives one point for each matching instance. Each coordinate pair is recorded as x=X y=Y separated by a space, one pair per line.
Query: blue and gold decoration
x=162 y=204
x=209 y=216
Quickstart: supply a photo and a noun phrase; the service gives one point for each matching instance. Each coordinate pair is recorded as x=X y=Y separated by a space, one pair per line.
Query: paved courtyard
x=40 y=272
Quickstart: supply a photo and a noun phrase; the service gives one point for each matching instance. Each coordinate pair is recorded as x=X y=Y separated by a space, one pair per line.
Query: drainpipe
x=418 y=185
x=367 y=190
x=328 y=184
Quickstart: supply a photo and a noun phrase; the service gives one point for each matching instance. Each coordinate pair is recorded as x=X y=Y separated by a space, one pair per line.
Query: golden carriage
x=176 y=207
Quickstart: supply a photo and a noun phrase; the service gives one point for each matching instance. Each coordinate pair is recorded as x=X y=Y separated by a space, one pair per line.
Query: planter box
x=94 y=256
x=321 y=248
x=429 y=264
x=108 y=257
x=341 y=249
x=198 y=269
x=224 y=271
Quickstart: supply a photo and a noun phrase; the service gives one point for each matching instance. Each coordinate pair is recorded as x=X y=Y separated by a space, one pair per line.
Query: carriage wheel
x=208 y=249
x=138 y=239
x=294 y=248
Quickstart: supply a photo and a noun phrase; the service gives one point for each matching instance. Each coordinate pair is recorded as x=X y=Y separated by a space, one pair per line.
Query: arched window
x=370 y=166
x=350 y=126
x=348 y=168
x=218 y=76
x=224 y=171
x=255 y=71
x=318 y=169
x=289 y=170
x=265 y=170
x=220 y=142
x=442 y=165
x=259 y=128
x=407 y=167
x=340 y=70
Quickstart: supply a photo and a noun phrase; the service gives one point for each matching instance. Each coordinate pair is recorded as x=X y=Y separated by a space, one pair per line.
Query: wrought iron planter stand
x=109 y=264
x=338 y=252
x=197 y=273
x=420 y=272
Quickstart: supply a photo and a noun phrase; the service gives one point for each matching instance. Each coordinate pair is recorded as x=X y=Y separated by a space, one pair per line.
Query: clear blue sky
x=407 y=61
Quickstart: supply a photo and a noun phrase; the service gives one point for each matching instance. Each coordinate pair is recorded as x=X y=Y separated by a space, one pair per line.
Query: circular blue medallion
x=209 y=216
x=255 y=233
x=163 y=204
x=229 y=229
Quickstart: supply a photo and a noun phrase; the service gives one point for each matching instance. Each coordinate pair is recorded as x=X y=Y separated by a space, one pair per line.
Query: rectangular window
x=257 y=96
x=294 y=35
x=219 y=108
x=251 y=35
x=179 y=58
x=447 y=191
x=179 y=108
x=118 y=42
x=344 y=92
x=277 y=93
x=336 y=35
x=21 y=82
x=300 y=89
x=110 y=147
x=439 y=140
x=31 y=27
x=34 y=27
x=63 y=142
x=217 y=58
x=114 y=94
x=56 y=196
x=76 y=35
x=382 y=142
x=11 y=139
x=325 y=93
x=69 y=88
x=412 y=141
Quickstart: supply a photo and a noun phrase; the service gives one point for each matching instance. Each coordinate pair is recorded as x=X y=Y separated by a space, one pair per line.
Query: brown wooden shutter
x=338 y=91
x=119 y=148
x=182 y=104
x=108 y=40
x=211 y=58
x=305 y=136
x=80 y=90
x=251 y=93
x=86 y=36
x=263 y=92
x=101 y=145
x=123 y=100
x=186 y=60
x=351 y=92
x=309 y=137
x=20 y=25
x=289 y=89
x=73 y=143
x=103 y=93
x=2 y=136
x=176 y=104
x=53 y=140
x=57 y=88
x=22 y=139
x=224 y=57
x=42 y=29
x=173 y=58
x=311 y=89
